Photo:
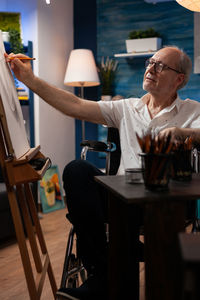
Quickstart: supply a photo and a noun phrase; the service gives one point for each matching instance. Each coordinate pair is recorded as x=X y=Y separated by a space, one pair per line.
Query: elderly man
x=160 y=110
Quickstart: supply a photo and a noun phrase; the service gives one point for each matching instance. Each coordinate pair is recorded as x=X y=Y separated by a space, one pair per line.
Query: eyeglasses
x=158 y=66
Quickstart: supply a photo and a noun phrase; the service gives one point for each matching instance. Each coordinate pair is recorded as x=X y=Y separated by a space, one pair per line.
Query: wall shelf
x=138 y=54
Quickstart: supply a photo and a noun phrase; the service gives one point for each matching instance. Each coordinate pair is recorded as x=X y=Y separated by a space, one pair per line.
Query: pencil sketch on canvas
x=12 y=107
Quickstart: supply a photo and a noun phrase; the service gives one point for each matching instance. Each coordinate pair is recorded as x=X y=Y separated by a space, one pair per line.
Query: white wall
x=55 y=41
x=50 y=27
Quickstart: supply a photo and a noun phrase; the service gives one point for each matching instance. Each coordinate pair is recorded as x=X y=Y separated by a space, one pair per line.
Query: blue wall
x=85 y=33
x=115 y=19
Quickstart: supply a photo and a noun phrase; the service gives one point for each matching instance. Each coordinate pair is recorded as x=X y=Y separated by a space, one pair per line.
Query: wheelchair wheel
x=83 y=275
x=78 y=273
x=73 y=273
x=73 y=281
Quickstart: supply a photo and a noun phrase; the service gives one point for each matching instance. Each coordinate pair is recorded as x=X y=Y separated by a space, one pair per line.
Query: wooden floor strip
x=55 y=228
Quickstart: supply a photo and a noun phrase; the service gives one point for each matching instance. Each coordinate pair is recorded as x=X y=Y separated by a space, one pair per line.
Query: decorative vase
x=106 y=97
x=143 y=45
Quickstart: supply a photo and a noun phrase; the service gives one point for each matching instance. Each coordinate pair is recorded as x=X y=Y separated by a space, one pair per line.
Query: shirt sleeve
x=112 y=112
x=196 y=123
x=195 y=115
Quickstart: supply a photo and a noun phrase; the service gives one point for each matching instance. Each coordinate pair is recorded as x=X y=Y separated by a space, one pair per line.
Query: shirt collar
x=175 y=105
x=177 y=102
x=141 y=102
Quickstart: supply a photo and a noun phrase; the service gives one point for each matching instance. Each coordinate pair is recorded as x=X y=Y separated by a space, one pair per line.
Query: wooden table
x=164 y=217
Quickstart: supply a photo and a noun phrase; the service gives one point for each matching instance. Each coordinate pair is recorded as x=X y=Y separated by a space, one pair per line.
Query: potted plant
x=9 y=21
x=107 y=71
x=143 y=41
x=15 y=41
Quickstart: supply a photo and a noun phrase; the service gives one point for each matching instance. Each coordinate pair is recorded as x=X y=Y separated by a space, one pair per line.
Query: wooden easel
x=18 y=174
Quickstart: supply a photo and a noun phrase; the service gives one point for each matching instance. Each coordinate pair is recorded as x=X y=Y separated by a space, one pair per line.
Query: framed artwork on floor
x=50 y=191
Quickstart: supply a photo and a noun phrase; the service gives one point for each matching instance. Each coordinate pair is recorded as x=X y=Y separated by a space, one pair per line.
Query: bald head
x=181 y=60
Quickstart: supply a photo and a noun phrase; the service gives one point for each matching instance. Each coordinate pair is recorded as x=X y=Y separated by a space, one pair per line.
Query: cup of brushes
x=182 y=161
x=162 y=159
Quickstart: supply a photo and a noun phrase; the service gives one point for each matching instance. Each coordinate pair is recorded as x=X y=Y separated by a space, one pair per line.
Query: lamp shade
x=81 y=69
x=193 y=5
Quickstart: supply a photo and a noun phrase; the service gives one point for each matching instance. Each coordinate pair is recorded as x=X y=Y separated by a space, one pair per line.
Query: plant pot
x=106 y=98
x=5 y=36
x=143 y=45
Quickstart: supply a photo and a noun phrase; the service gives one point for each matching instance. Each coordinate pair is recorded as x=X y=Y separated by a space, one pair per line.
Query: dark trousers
x=87 y=206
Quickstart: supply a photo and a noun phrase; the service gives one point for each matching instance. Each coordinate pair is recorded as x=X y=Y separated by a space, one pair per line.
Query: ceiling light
x=193 y=5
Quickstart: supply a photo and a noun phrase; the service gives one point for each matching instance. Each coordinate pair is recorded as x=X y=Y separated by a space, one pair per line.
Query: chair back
x=115 y=156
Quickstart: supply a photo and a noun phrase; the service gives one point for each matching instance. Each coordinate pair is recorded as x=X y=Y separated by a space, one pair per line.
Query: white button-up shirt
x=131 y=116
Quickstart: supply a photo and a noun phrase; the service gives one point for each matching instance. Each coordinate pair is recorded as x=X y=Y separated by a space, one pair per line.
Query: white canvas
x=12 y=107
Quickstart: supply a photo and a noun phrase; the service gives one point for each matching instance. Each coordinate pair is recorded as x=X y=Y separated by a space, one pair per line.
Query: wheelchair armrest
x=95 y=145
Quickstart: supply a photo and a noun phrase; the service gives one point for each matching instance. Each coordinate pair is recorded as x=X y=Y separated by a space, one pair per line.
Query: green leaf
x=139 y=34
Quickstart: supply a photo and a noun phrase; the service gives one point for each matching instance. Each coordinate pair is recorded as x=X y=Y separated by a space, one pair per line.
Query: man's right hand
x=21 y=68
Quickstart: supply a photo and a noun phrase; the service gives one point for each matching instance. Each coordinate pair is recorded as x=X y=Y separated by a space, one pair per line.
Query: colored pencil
x=22 y=58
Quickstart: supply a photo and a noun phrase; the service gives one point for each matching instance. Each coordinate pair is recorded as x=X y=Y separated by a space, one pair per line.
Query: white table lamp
x=81 y=72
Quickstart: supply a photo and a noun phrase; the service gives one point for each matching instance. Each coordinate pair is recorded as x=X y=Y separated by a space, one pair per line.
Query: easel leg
x=33 y=228
x=34 y=215
x=29 y=227
x=22 y=243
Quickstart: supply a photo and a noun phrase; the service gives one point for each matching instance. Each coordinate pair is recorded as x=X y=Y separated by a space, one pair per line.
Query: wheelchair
x=73 y=271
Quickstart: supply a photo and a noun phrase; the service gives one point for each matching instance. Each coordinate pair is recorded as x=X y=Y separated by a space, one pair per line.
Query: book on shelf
x=22 y=94
x=23 y=97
